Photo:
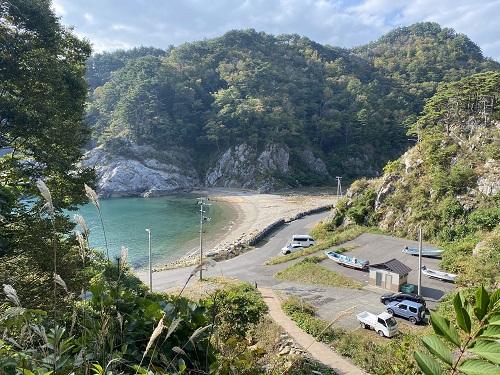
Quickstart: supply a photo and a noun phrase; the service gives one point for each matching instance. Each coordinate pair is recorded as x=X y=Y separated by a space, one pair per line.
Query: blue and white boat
x=425 y=252
x=344 y=260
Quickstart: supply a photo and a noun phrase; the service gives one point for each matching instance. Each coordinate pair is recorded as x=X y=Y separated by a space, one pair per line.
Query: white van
x=303 y=239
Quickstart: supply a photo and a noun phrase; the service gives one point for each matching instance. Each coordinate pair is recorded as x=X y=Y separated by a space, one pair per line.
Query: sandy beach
x=255 y=211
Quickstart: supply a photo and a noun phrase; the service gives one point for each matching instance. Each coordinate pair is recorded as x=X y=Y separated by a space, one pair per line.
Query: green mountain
x=275 y=110
x=448 y=184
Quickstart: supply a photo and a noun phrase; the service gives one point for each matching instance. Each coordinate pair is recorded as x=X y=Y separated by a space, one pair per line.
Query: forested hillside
x=329 y=111
x=67 y=308
x=447 y=184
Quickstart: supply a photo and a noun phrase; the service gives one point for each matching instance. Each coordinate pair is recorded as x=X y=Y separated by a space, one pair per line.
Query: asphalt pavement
x=331 y=302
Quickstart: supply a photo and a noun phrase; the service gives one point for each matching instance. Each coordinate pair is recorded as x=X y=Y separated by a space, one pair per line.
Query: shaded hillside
x=312 y=103
x=447 y=184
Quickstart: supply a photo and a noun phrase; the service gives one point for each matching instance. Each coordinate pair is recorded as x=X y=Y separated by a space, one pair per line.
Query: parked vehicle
x=399 y=297
x=290 y=248
x=303 y=239
x=384 y=323
x=413 y=311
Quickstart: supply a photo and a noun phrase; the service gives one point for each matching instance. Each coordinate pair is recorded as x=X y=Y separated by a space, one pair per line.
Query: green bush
x=294 y=304
x=363 y=209
x=484 y=218
x=236 y=308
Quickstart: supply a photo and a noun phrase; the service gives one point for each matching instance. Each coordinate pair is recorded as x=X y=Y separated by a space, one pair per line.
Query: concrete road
x=332 y=303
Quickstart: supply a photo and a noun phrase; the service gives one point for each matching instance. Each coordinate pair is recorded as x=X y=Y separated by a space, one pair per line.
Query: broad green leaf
x=478 y=367
x=490 y=332
x=494 y=318
x=489 y=350
x=443 y=327
x=427 y=364
x=462 y=306
x=437 y=348
x=494 y=300
x=482 y=301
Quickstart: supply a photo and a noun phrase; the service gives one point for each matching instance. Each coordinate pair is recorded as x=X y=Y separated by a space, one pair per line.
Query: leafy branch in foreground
x=478 y=349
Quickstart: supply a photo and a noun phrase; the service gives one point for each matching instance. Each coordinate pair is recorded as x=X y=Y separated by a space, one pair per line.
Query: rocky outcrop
x=489 y=182
x=242 y=167
x=144 y=171
x=141 y=174
x=316 y=164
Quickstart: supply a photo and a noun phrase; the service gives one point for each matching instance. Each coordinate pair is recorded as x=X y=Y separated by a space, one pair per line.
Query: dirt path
x=318 y=350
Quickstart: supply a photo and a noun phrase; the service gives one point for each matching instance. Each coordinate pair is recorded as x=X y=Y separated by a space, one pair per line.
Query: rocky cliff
x=141 y=173
x=144 y=171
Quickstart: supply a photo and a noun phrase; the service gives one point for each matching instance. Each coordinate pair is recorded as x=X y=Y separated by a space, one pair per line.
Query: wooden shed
x=390 y=275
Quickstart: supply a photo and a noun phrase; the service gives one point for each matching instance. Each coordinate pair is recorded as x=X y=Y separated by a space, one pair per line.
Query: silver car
x=290 y=248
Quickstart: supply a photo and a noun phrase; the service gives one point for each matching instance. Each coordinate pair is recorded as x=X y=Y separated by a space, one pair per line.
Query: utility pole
x=201 y=202
x=339 y=188
x=419 y=291
x=150 y=264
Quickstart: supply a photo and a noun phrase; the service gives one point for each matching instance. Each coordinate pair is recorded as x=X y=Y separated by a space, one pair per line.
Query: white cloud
x=58 y=8
x=89 y=17
x=110 y=24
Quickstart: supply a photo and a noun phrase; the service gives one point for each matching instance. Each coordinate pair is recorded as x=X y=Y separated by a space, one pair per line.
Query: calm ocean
x=174 y=222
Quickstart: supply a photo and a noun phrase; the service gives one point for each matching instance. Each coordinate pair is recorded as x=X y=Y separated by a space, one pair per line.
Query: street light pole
x=201 y=237
x=202 y=219
x=419 y=291
x=150 y=265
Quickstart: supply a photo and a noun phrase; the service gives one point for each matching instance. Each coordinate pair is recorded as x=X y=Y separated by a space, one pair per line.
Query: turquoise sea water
x=174 y=222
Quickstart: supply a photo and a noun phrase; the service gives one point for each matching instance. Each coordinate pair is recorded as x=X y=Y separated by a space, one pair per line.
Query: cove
x=174 y=222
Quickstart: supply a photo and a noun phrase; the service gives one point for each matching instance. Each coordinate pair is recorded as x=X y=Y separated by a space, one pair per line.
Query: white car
x=290 y=248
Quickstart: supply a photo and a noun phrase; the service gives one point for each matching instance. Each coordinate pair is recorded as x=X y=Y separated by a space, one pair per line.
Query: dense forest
x=351 y=107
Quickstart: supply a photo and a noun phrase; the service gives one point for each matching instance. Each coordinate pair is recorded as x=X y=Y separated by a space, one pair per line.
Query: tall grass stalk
x=44 y=191
x=204 y=263
x=82 y=247
x=157 y=332
x=91 y=194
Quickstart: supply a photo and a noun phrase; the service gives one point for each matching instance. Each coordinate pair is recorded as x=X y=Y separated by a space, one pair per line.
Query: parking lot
x=343 y=304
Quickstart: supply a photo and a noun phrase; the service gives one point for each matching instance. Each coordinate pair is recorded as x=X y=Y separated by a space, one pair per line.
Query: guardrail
x=274 y=226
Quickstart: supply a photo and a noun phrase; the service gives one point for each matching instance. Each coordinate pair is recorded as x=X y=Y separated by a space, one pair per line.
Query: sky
x=124 y=24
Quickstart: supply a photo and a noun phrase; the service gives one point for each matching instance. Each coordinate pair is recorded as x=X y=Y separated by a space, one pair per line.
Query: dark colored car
x=399 y=297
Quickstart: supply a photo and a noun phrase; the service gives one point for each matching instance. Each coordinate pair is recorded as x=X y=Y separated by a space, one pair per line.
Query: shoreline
x=254 y=212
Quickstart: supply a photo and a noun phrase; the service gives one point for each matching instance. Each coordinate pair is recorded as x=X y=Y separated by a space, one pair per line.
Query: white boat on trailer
x=445 y=276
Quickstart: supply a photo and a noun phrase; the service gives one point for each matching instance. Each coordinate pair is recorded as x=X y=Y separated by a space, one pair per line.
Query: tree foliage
x=473 y=336
x=42 y=135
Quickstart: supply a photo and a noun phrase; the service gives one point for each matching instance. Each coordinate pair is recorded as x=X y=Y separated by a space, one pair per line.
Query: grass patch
x=307 y=251
x=325 y=239
x=308 y=271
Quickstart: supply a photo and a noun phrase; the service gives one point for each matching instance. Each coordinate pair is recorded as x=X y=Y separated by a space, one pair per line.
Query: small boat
x=425 y=252
x=344 y=260
x=445 y=276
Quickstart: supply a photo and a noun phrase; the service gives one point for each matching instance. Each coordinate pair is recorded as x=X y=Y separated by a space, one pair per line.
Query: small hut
x=390 y=275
